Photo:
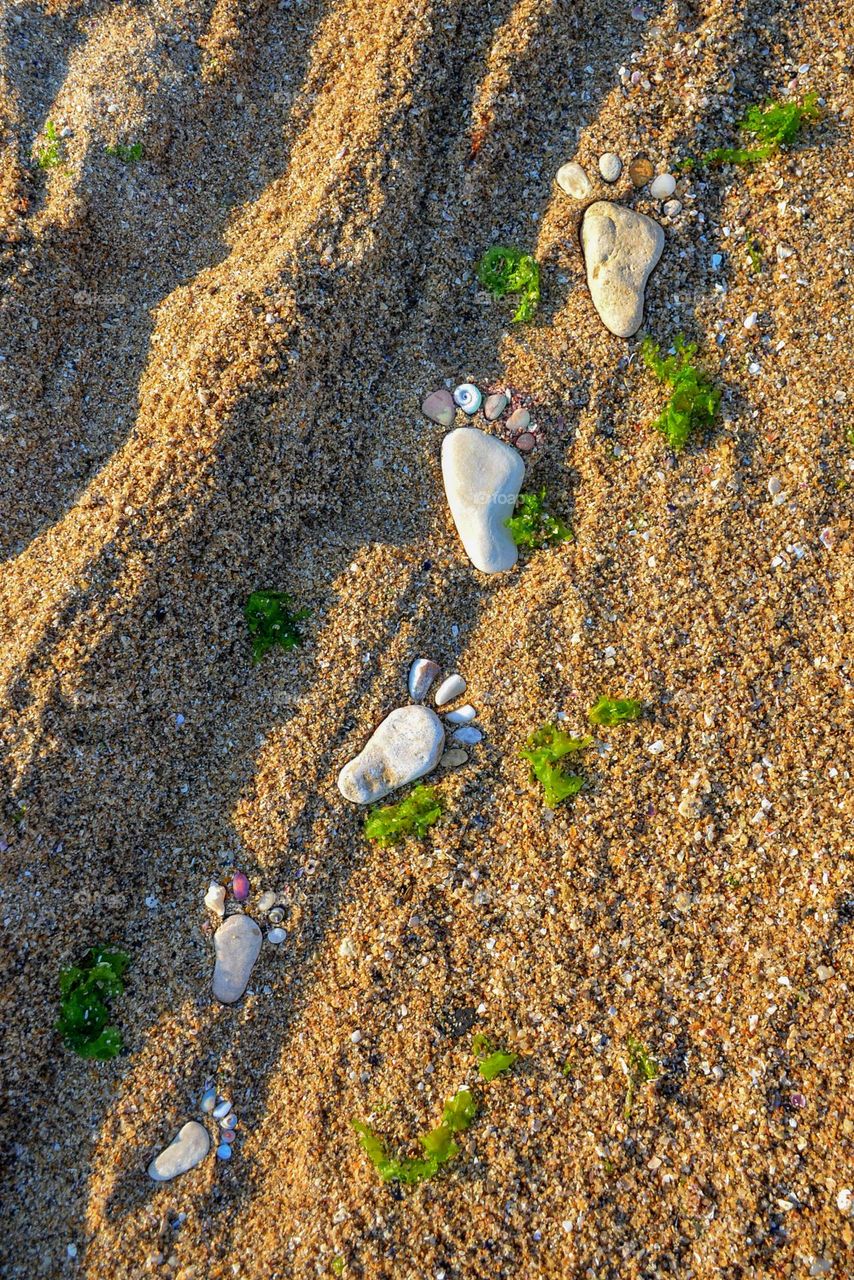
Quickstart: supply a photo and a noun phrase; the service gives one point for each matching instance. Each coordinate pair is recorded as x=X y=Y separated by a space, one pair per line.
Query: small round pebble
x=276 y=936
x=519 y=421
x=641 y=171
x=662 y=187
x=671 y=208
x=610 y=166
x=525 y=442
x=266 y=901
x=223 y=1151
x=573 y=181
x=355 y=1036
x=240 y=886
x=228 y=1135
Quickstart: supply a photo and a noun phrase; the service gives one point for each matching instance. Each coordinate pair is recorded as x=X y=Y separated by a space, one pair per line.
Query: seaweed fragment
x=438 y=1144
x=532 y=526
x=504 y=270
x=610 y=711
x=770 y=126
x=271 y=621
x=642 y=1069
x=694 y=399
x=543 y=750
x=84 y=992
x=413 y=816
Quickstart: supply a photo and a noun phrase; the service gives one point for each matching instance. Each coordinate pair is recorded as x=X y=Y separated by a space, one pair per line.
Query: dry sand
x=212 y=366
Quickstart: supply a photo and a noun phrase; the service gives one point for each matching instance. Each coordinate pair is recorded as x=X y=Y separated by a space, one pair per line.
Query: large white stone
x=621 y=248
x=408 y=744
x=237 y=942
x=187 y=1149
x=482 y=478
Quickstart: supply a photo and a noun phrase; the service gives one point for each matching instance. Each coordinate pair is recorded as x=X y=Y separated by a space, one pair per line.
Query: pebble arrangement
x=192 y=1142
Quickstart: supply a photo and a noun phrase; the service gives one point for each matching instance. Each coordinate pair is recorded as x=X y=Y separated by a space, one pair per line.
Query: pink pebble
x=228 y=1135
x=518 y=421
x=525 y=442
x=240 y=886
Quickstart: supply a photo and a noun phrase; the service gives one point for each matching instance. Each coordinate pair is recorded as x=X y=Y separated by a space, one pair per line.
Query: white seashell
x=276 y=936
x=468 y=397
x=267 y=900
x=229 y=1121
x=662 y=187
x=276 y=916
x=221 y=1109
x=422 y=673
x=223 y=1151
x=449 y=689
x=468 y=735
x=215 y=898
x=462 y=715
x=208 y=1100
x=347 y=950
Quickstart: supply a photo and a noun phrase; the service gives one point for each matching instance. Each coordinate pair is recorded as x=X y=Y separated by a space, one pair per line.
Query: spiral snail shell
x=468 y=397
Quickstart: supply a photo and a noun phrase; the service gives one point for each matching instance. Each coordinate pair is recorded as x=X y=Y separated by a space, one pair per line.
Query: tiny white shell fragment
x=215 y=898
x=422 y=673
x=208 y=1100
x=276 y=936
x=468 y=397
x=347 y=950
x=468 y=735
x=453 y=687
x=462 y=715
x=222 y=1109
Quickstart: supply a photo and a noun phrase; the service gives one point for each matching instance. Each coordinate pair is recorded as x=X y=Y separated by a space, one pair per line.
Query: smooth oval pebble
x=208 y=1100
x=462 y=715
x=215 y=898
x=237 y=942
x=240 y=886
x=422 y=673
x=450 y=688
x=573 y=181
x=439 y=407
x=525 y=442
x=267 y=900
x=221 y=1109
x=610 y=166
x=468 y=397
x=482 y=477
x=404 y=747
x=662 y=187
x=495 y=405
x=671 y=208
x=228 y=1135
x=187 y=1149
x=276 y=936
x=468 y=735
x=223 y=1151
x=641 y=171
x=621 y=248
x=453 y=758
x=519 y=421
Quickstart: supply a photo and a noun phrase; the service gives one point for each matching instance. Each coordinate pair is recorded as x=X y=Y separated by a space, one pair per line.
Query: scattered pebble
x=621 y=248
x=519 y=421
x=454 y=686
x=439 y=407
x=454 y=758
x=641 y=171
x=671 y=208
x=208 y=1100
x=237 y=943
x=573 y=181
x=187 y=1149
x=525 y=442
x=422 y=673
x=663 y=186
x=462 y=715
x=215 y=898
x=468 y=397
x=408 y=744
x=267 y=900
x=495 y=405
x=222 y=1109
x=276 y=936
x=610 y=166
x=482 y=477
x=240 y=886
x=223 y=1151
x=468 y=735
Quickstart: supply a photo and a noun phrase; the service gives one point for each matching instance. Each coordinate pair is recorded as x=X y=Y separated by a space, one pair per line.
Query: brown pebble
x=519 y=421
x=641 y=171
x=526 y=442
x=439 y=407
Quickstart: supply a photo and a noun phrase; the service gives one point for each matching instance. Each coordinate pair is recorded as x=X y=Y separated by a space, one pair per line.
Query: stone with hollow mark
x=407 y=745
x=187 y=1149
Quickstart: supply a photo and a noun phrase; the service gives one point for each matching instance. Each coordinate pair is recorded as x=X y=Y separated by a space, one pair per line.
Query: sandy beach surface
x=212 y=360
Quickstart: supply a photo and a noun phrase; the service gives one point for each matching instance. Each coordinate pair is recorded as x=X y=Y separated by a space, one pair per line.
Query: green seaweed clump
x=503 y=270
x=50 y=153
x=83 y=1013
x=771 y=127
x=543 y=750
x=491 y=1061
x=411 y=816
x=694 y=400
x=754 y=253
x=532 y=526
x=128 y=153
x=438 y=1144
x=642 y=1069
x=270 y=621
x=610 y=711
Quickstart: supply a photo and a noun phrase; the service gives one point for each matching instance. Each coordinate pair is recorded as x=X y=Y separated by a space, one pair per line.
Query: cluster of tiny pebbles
x=221 y=1110
x=441 y=407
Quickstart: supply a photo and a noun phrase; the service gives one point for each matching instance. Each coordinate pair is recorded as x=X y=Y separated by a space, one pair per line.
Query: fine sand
x=211 y=366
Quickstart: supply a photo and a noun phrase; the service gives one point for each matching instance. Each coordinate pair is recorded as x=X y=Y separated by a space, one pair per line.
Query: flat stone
x=187 y=1149
x=641 y=171
x=495 y=405
x=610 y=166
x=573 y=181
x=621 y=247
x=408 y=744
x=237 y=942
x=454 y=758
x=439 y=407
x=482 y=477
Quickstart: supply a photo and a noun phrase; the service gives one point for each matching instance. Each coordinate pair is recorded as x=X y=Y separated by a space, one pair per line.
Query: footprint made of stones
x=187 y=1149
x=410 y=741
x=482 y=477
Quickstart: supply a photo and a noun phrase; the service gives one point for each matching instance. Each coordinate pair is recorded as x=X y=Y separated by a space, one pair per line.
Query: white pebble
x=215 y=898
x=355 y=1036
x=267 y=901
x=449 y=689
x=656 y=748
x=844 y=1200
x=610 y=166
x=774 y=486
x=276 y=936
x=662 y=187
x=222 y=1109
x=573 y=181
x=462 y=715
x=347 y=950
x=468 y=735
